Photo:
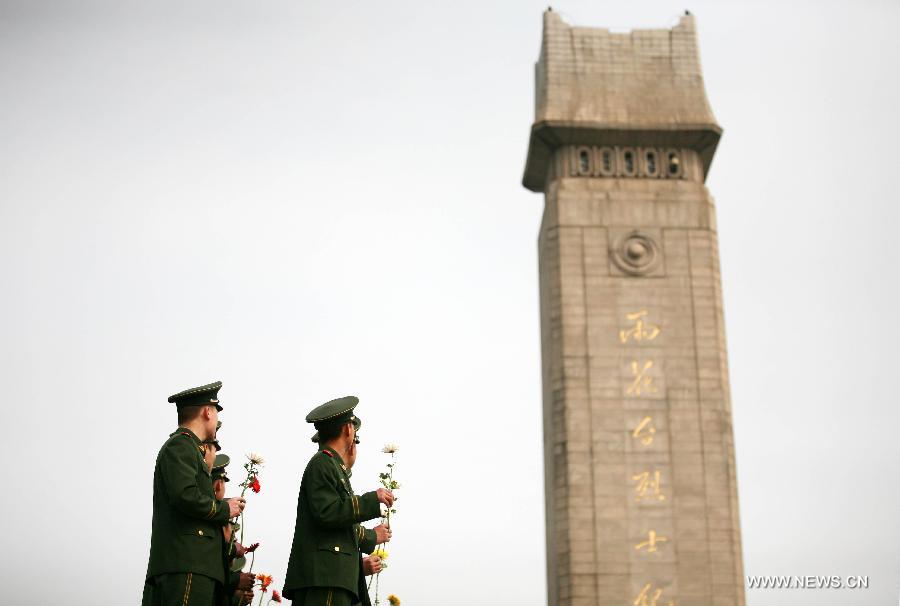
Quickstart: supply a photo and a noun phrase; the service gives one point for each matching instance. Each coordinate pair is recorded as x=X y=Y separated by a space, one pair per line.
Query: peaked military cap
x=335 y=412
x=198 y=396
x=213 y=442
x=357 y=423
x=219 y=465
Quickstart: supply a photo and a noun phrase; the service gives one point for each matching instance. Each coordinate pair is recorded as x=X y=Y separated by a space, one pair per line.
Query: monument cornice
x=549 y=135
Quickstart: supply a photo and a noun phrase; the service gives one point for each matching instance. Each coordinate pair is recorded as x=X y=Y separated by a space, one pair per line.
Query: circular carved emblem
x=636 y=253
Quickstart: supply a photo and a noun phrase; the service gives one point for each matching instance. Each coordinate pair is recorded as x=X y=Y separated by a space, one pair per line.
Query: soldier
x=369 y=538
x=185 y=566
x=238 y=589
x=325 y=566
x=210 y=448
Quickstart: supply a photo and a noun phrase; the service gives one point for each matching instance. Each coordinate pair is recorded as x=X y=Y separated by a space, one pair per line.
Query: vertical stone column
x=641 y=498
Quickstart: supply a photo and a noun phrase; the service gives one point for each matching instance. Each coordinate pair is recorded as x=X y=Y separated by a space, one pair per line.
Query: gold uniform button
x=200 y=532
x=336 y=548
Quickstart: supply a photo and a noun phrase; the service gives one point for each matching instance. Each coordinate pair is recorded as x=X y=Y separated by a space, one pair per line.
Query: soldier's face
x=219 y=488
x=351 y=455
x=212 y=419
x=209 y=455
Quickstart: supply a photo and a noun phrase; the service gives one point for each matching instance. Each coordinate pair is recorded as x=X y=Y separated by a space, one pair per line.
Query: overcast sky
x=312 y=199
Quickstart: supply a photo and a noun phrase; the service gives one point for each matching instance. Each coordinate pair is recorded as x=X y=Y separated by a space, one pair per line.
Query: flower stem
x=250 y=473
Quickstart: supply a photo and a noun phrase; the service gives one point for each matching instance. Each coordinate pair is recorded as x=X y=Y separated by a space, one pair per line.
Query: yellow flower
x=381 y=553
x=393 y=600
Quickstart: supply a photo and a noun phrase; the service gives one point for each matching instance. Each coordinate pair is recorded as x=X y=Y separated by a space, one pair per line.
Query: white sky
x=307 y=200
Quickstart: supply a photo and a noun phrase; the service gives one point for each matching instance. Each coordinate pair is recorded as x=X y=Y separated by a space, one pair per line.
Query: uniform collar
x=332 y=453
x=187 y=432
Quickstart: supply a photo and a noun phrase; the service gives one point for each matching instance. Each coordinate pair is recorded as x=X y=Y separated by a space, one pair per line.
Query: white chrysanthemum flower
x=256 y=459
x=390 y=448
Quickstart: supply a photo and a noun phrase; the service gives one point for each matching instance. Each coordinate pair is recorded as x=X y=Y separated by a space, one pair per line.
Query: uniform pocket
x=338 y=549
x=199 y=533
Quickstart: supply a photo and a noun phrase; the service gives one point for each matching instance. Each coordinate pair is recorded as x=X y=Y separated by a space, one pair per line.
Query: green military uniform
x=325 y=565
x=185 y=567
x=367 y=537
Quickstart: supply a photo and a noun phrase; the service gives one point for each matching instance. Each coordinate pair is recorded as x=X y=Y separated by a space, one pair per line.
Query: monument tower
x=641 y=496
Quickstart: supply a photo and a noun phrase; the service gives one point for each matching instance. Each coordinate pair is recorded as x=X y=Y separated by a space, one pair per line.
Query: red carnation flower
x=251 y=549
x=276 y=597
x=254 y=485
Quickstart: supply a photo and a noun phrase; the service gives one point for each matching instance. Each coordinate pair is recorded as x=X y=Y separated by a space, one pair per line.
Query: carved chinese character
x=648 y=597
x=641 y=331
x=648 y=488
x=644 y=431
x=650 y=543
x=642 y=382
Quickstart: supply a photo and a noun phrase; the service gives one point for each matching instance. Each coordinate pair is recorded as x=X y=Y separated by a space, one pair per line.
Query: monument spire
x=641 y=493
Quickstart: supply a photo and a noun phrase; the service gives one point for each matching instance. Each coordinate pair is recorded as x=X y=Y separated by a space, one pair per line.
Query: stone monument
x=641 y=496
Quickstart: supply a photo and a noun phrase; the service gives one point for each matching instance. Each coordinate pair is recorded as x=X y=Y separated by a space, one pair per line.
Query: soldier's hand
x=382 y=534
x=385 y=496
x=247 y=581
x=371 y=565
x=236 y=506
x=247 y=598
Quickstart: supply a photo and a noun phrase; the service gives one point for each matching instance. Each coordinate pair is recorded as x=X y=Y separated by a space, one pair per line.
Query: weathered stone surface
x=641 y=496
x=595 y=87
